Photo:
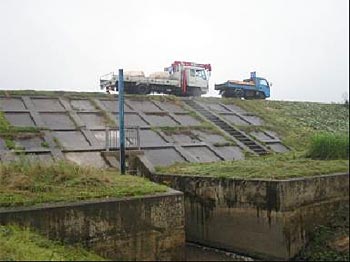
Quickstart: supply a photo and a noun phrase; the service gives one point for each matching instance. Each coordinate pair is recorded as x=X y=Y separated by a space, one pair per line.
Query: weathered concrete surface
x=145 y=228
x=76 y=123
x=268 y=219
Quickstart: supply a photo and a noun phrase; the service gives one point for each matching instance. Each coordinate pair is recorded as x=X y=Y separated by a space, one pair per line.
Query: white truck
x=180 y=79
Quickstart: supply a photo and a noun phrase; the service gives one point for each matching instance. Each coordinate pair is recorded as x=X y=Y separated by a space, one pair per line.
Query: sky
x=301 y=46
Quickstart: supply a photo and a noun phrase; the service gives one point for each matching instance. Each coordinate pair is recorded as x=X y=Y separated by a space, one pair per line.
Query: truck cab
x=193 y=78
x=263 y=86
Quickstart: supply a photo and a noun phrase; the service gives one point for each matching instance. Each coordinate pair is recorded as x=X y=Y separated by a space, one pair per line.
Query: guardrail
x=132 y=138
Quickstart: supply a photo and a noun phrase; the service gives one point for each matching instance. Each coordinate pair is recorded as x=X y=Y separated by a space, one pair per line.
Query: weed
x=329 y=146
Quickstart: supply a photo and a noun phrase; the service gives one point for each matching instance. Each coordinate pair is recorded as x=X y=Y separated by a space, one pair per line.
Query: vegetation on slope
x=28 y=183
x=21 y=244
x=268 y=167
x=329 y=146
x=296 y=122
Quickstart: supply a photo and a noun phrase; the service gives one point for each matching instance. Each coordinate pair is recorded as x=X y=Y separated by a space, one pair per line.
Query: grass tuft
x=329 y=146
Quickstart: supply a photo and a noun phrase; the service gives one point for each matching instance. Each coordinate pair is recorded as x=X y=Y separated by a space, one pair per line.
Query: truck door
x=264 y=87
x=197 y=77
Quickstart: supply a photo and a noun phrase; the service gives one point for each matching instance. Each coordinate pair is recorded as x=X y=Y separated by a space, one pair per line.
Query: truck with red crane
x=181 y=79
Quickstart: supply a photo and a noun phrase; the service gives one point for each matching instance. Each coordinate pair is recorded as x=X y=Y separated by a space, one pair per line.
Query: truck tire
x=143 y=89
x=194 y=91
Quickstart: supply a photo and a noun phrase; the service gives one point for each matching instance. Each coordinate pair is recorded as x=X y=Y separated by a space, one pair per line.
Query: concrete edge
x=48 y=205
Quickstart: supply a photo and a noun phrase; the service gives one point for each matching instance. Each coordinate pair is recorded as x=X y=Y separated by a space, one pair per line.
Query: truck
x=252 y=88
x=181 y=78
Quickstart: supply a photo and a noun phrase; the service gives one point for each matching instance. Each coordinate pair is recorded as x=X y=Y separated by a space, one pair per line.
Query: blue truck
x=252 y=88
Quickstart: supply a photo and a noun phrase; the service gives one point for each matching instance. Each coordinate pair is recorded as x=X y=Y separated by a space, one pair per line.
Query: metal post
x=107 y=139
x=121 y=122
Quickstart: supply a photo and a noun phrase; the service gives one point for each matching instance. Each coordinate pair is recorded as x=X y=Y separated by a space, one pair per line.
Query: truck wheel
x=261 y=95
x=194 y=91
x=143 y=90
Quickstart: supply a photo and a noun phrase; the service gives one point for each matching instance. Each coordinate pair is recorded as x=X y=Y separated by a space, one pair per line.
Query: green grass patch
x=297 y=122
x=329 y=146
x=268 y=167
x=25 y=183
x=22 y=244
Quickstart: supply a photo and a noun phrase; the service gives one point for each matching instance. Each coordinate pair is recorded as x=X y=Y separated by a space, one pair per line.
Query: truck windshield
x=201 y=74
x=263 y=82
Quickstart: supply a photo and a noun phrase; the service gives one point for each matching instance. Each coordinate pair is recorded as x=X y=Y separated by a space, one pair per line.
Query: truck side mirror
x=270 y=83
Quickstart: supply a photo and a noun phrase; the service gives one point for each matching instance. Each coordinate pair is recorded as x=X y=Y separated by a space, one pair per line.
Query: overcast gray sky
x=302 y=46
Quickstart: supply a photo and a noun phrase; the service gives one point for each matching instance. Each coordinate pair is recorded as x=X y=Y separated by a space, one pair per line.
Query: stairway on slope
x=234 y=132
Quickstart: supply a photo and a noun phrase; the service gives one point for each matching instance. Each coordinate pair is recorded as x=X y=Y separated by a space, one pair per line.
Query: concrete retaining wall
x=145 y=228
x=269 y=219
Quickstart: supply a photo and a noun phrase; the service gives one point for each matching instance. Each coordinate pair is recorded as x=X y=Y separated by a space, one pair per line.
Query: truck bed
x=235 y=84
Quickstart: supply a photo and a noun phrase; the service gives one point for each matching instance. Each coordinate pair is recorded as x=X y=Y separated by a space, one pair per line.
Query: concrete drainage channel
x=264 y=219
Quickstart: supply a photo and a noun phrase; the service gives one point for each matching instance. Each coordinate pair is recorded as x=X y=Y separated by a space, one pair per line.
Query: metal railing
x=132 y=138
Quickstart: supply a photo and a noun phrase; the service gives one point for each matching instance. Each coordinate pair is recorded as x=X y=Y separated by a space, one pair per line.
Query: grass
x=297 y=122
x=22 y=244
x=268 y=167
x=331 y=241
x=329 y=146
x=25 y=183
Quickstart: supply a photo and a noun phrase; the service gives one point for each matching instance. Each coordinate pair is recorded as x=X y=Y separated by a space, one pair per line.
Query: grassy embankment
x=315 y=132
x=24 y=183
x=18 y=244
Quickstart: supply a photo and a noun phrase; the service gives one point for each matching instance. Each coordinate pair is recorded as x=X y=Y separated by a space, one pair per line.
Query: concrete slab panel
x=30 y=142
x=202 y=153
x=93 y=120
x=261 y=136
x=160 y=120
x=113 y=106
x=210 y=138
x=187 y=120
x=57 y=120
x=47 y=104
x=93 y=159
x=235 y=120
x=278 y=147
x=131 y=119
x=2 y=144
x=150 y=138
x=143 y=105
x=216 y=108
x=254 y=120
x=82 y=105
x=163 y=157
x=230 y=152
x=100 y=136
x=172 y=107
x=42 y=157
x=20 y=119
x=69 y=139
x=11 y=104
x=184 y=139
x=236 y=109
